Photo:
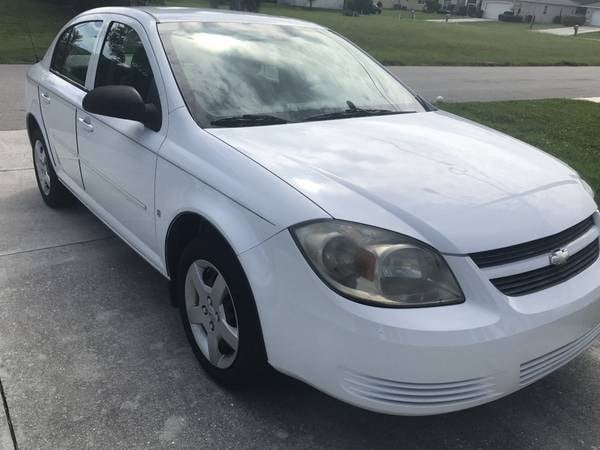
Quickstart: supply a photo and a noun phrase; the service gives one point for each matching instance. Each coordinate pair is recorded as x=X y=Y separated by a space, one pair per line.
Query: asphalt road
x=461 y=84
x=93 y=355
x=453 y=83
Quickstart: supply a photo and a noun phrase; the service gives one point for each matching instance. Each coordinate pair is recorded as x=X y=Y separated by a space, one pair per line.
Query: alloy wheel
x=211 y=313
x=41 y=167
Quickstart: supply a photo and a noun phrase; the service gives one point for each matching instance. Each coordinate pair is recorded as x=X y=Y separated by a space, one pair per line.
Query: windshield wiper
x=248 y=120
x=355 y=112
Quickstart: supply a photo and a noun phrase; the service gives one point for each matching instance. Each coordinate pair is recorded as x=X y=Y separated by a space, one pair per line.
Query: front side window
x=292 y=73
x=73 y=51
x=124 y=61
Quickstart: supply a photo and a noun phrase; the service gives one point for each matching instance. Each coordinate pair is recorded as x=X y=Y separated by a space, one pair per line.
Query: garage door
x=595 y=19
x=494 y=9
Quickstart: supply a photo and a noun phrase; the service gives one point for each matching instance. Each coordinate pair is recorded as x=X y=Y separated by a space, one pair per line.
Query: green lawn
x=568 y=129
x=390 y=39
x=23 y=22
x=595 y=35
x=408 y=42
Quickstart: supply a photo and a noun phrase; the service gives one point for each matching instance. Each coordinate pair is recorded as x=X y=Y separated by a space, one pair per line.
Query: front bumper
x=417 y=361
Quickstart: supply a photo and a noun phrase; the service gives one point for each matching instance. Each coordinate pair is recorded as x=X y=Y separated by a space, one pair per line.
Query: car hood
x=456 y=185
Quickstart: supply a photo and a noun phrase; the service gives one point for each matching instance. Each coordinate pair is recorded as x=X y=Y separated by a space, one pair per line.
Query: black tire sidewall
x=250 y=362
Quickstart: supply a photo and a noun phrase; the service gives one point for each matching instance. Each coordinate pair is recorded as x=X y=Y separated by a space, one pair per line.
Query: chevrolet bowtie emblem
x=559 y=257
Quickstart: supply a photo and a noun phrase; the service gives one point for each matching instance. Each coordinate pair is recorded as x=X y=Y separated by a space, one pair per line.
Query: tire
x=53 y=192
x=207 y=319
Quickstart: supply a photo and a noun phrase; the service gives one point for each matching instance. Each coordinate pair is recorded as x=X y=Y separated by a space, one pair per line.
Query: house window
x=545 y=9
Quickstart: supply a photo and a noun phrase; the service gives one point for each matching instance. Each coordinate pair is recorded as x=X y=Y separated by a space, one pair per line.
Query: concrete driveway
x=93 y=355
x=568 y=31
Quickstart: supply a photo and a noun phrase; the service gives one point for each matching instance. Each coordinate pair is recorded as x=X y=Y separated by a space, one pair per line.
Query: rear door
x=62 y=91
x=118 y=156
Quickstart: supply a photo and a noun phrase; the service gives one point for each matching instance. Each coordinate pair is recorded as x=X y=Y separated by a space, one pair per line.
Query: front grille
x=536 y=280
x=533 y=248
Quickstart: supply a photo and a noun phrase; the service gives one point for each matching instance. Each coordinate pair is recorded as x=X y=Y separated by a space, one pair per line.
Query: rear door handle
x=87 y=123
x=45 y=97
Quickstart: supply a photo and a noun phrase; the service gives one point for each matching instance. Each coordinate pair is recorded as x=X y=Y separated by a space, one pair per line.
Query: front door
x=62 y=92
x=118 y=156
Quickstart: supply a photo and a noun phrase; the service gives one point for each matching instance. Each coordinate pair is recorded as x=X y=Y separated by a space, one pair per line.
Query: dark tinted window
x=124 y=62
x=74 y=49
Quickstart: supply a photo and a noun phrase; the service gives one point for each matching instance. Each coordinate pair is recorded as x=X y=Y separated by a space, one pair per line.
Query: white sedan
x=312 y=213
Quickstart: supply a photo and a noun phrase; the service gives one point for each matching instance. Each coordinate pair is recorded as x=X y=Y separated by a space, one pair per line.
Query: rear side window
x=124 y=61
x=73 y=51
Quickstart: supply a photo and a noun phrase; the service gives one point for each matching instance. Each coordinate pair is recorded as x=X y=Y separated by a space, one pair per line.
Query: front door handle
x=87 y=123
x=45 y=97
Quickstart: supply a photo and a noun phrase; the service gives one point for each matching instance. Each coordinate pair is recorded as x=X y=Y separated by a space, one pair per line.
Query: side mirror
x=122 y=102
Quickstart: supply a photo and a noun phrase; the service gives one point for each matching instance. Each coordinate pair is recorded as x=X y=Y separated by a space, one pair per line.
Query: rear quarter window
x=73 y=51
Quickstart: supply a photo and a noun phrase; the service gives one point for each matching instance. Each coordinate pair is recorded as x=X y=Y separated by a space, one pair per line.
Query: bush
x=556 y=20
x=569 y=21
x=432 y=5
x=359 y=7
x=510 y=18
x=461 y=11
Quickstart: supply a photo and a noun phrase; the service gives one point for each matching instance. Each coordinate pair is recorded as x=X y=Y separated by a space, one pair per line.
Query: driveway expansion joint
x=13 y=436
x=51 y=247
x=16 y=169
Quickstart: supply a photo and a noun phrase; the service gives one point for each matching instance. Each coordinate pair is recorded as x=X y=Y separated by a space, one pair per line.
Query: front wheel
x=219 y=314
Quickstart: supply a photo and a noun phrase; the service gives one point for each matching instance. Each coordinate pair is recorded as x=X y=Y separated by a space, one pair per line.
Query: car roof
x=184 y=14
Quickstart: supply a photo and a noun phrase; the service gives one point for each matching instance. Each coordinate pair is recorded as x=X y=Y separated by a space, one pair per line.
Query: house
x=454 y=5
x=417 y=5
x=323 y=4
x=544 y=10
x=592 y=15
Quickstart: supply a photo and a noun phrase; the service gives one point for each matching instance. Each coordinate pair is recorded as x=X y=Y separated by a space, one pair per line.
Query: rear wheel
x=52 y=190
x=219 y=314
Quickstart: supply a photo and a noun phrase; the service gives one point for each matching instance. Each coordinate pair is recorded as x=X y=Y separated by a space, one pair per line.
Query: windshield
x=244 y=74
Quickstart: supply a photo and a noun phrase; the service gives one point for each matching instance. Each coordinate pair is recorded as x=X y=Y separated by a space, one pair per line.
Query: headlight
x=587 y=187
x=376 y=266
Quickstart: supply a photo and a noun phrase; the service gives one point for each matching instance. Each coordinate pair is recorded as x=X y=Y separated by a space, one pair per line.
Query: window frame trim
x=109 y=24
x=93 y=54
x=153 y=60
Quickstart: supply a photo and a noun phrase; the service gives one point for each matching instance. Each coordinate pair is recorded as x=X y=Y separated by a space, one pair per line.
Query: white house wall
x=493 y=8
x=592 y=17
